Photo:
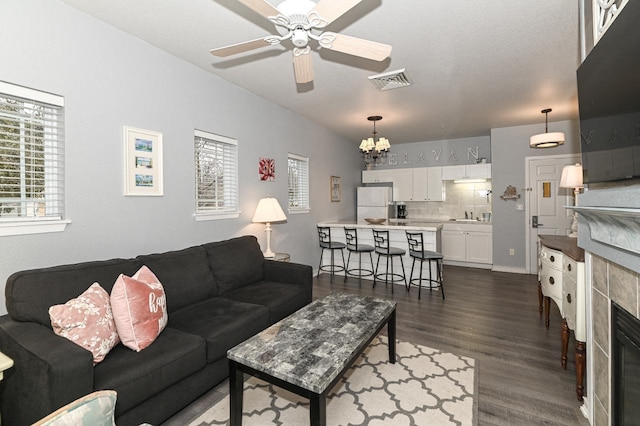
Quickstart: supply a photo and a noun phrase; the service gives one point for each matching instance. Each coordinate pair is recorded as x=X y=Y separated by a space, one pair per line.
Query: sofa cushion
x=185 y=275
x=29 y=294
x=87 y=321
x=139 y=308
x=235 y=262
x=223 y=323
x=137 y=376
x=282 y=299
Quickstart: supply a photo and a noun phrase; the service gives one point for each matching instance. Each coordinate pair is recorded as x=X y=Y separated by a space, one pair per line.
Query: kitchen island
x=431 y=234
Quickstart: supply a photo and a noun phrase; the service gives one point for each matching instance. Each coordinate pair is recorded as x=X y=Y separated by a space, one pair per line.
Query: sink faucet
x=466 y=215
x=471 y=216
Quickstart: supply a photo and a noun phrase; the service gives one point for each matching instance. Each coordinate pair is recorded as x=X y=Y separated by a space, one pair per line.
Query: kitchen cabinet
x=418 y=184
x=468 y=171
x=427 y=184
x=402 y=184
x=377 y=176
x=467 y=244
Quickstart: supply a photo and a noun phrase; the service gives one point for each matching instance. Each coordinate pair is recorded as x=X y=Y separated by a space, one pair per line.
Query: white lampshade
x=268 y=210
x=571 y=176
x=546 y=140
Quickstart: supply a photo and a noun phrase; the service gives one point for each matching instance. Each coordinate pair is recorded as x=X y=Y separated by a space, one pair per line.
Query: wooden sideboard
x=561 y=277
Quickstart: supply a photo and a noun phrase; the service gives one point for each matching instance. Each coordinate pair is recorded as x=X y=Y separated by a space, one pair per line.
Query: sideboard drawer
x=552 y=258
x=570 y=267
x=551 y=284
x=569 y=300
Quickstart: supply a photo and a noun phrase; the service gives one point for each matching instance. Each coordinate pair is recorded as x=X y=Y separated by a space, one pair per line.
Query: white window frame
x=53 y=146
x=302 y=183
x=228 y=196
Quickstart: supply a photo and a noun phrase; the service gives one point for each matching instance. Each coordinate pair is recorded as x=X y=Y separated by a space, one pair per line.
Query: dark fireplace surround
x=625 y=367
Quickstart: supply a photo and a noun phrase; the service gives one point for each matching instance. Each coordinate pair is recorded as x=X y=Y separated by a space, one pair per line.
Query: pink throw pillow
x=87 y=321
x=139 y=308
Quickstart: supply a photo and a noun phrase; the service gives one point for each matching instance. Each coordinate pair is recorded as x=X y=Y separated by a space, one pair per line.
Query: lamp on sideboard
x=572 y=178
x=268 y=211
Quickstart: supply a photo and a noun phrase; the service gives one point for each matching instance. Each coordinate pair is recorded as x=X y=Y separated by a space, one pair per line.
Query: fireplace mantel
x=616 y=226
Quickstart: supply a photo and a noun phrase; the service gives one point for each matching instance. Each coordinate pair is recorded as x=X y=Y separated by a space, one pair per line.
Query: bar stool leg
x=440 y=266
x=346 y=269
x=420 y=280
x=332 y=264
x=413 y=264
x=392 y=285
x=430 y=278
x=375 y=274
x=403 y=276
x=320 y=265
x=344 y=266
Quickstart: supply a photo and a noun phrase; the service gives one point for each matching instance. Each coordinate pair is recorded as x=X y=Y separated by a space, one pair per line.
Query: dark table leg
x=540 y=297
x=565 y=343
x=236 y=385
x=318 y=410
x=581 y=361
x=391 y=331
x=547 y=306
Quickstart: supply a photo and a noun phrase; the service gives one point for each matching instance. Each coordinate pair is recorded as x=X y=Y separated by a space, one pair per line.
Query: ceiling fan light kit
x=546 y=139
x=304 y=20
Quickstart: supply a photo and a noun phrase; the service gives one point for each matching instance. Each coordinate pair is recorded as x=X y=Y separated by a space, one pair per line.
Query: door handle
x=534 y=222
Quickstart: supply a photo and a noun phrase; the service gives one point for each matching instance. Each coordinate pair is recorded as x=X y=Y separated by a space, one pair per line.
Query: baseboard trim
x=510 y=269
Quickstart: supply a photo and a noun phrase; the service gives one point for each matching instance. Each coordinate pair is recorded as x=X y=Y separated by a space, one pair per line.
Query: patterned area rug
x=425 y=387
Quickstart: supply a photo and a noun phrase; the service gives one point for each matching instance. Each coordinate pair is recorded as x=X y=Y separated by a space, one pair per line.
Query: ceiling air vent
x=391 y=80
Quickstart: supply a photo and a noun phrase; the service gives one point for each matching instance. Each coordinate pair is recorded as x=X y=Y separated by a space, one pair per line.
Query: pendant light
x=546 y=139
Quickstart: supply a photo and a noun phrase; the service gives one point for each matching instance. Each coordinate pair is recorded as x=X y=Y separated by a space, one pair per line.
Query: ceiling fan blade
x=330 y=10
x=355 y=46
x=302 y=66
x=261 y=7
x=240 y=47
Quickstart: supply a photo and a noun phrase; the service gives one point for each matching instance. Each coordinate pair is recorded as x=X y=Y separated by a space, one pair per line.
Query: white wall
x=110 y=79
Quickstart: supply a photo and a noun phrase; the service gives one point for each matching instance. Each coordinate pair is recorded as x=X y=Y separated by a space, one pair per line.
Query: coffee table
x=309 y=351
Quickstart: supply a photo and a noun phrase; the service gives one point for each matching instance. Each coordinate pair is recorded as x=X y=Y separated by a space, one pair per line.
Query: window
x=31 y=161
x=216 y=176
x=298 y=184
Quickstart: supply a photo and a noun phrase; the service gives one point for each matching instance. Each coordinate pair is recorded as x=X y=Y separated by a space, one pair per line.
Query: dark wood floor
x=493 y=318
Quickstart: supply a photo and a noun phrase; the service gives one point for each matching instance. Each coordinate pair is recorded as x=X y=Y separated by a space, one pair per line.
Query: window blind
x=31 y=154
x=298 y=182
x=216 y=173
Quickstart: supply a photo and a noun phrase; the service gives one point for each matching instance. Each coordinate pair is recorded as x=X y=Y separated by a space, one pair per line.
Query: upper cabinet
x=427 y=184
x=469 y=171
x=402 y=184
x=377 y=176
x=418 y=184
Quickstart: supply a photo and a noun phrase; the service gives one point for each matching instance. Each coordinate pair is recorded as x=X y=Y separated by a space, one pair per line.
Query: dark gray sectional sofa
x=218 y=295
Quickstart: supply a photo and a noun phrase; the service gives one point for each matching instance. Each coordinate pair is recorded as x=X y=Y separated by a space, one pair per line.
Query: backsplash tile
x=459 y=198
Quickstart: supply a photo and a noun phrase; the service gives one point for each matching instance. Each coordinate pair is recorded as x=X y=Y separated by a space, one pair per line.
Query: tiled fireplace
x=609 y=231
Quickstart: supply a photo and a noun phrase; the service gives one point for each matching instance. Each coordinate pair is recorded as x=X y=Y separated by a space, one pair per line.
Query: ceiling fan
x=304 y=20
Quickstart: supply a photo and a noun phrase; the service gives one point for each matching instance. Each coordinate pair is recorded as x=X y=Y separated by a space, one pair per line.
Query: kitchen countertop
x=419 y=226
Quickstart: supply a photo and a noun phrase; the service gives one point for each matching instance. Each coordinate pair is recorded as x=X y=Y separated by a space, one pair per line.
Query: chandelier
x=374 y=152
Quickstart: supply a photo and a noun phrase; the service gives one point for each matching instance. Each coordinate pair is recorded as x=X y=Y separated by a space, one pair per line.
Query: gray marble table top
x=312 y=346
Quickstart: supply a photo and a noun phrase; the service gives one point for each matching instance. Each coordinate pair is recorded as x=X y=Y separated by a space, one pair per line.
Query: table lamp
x=572 y=178
x=268 y=211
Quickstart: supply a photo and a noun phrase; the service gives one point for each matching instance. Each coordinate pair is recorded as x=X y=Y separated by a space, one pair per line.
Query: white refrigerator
x=373 y=202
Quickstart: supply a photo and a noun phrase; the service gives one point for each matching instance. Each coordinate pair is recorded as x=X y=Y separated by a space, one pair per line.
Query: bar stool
x=324 y=234
x=351 y=235
x=417 y=252
x=382 y=248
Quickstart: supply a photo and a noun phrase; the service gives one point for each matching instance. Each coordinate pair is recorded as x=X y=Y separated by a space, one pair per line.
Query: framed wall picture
x=336 y=189
x=142 y=162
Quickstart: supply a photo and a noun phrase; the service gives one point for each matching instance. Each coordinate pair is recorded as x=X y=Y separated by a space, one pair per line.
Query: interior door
x=545 y=202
